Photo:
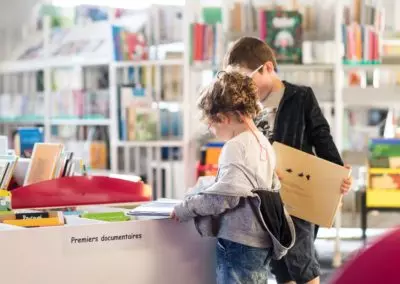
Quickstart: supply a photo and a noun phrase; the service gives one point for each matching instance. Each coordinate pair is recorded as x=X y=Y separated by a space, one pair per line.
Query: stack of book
x=50 y=161
x=161 y=208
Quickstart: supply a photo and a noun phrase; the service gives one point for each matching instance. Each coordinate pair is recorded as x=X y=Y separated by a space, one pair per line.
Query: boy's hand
x=278 y=173
x=173 y=216
x=346 y=184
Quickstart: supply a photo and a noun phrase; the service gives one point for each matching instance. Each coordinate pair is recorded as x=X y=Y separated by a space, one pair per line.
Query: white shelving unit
x=125 y=156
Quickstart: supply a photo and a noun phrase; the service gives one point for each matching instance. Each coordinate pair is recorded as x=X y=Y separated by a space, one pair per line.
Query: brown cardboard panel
x=310 y=185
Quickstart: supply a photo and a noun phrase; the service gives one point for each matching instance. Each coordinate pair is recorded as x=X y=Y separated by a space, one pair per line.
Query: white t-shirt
x=246 y=150
x=265 y=120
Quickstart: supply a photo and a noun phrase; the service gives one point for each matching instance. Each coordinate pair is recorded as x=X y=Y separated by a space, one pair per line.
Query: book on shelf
x=282 y=30
x=128 y=44
x=44 y=162
x=137 y=117
x=361 y=44
x=3 y=145
x=25 y=140
x=7 y=167
x=98 y=155
x=5 y=200
x=170 y=20
x=172 y=86
x=207 y=43
x=52 y=161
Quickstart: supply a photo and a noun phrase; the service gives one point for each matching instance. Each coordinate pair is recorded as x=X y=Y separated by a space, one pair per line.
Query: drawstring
x=255 y=135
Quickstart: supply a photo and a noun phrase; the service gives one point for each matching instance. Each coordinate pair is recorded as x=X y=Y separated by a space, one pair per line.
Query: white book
x=161 y=208
x=3 y=145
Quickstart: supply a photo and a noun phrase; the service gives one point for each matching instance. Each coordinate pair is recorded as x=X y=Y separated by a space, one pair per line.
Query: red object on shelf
x=78 y=191
x=206 y=170
x=377 y=263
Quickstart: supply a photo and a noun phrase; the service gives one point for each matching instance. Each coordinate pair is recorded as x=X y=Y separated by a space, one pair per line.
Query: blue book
x=27 y=138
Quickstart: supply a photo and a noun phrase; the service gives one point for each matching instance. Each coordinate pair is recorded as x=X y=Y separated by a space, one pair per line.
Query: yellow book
x=41 y=222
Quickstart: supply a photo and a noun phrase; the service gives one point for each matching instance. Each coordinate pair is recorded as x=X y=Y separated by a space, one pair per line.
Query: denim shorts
x=241 y=264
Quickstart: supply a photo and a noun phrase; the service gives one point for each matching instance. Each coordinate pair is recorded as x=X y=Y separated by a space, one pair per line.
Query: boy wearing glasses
x=292 y=116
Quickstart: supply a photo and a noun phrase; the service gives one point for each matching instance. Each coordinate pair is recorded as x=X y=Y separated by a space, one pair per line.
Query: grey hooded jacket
x=227 y=209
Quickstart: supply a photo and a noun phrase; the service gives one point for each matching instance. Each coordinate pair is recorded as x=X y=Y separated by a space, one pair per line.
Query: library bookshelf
x=126 y=155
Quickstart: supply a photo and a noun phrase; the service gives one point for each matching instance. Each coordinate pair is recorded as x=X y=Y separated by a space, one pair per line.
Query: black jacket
x=299 y=123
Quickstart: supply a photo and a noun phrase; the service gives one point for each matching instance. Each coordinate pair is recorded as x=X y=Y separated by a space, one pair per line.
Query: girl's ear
x=222 y=118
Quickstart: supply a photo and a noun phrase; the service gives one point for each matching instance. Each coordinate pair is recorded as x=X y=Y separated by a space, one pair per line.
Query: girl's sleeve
x=214 y=204
x=205 y=205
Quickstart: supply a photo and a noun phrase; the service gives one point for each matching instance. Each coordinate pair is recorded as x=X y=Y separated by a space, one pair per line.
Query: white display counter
x=132 y=252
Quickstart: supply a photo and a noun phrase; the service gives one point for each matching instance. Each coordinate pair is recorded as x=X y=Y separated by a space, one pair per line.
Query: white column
x=339 y=112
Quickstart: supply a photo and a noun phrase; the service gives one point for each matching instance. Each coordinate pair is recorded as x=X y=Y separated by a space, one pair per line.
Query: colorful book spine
x=361 y=44
x=205 y=43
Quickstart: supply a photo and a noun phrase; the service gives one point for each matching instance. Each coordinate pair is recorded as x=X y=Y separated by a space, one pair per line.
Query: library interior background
x=98 y=116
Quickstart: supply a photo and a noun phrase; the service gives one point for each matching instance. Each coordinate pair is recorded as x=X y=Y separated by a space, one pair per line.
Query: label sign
x=99 y=237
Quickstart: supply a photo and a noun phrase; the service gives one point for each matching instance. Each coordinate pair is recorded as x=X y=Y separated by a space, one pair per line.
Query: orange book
x=358 y=42
x=45 y=157
x=98 y=155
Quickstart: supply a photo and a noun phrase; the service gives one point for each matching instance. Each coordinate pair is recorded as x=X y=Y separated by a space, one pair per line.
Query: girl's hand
x=173 y=216
x=346 y=184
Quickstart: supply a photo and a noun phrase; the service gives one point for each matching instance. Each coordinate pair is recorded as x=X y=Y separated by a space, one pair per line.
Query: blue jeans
x=241 y=264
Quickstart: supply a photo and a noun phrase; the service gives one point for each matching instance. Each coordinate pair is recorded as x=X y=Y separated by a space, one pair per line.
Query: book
x=29 y=215
x=207 y=45
x=107 y=216
x=284 y=35
x=54 y=219
x=310 y=186
x=5 y=200
x=25 y=139
x=44 y=161
x=159 y=208
x=7 y=167
x=3 y=145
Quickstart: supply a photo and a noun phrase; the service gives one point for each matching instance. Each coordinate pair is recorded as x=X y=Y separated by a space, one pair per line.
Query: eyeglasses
x=255 y=71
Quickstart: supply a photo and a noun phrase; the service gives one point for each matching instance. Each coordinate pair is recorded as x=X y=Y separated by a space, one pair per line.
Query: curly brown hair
x=230 y=93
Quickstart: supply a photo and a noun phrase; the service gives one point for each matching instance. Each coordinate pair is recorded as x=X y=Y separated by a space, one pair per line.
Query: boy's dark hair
x=230 y=93
x=249 y=52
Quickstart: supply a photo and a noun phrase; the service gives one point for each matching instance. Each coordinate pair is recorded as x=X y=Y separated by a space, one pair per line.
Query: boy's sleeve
x=319 y=129
x=205 y=205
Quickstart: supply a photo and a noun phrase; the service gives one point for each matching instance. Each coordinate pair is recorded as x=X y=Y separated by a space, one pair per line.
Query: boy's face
x=263 y=78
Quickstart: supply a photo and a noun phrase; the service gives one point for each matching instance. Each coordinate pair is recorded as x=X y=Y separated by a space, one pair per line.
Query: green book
x=284 y=35
x=107 y=216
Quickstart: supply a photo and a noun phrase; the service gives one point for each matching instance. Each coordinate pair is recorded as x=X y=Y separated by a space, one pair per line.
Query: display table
x=142 y=252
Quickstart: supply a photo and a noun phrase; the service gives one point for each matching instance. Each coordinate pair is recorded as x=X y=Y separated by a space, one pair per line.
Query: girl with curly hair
x=229 y=209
